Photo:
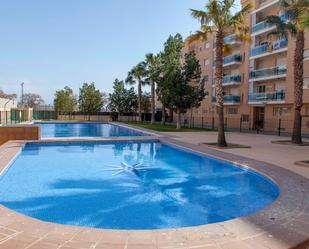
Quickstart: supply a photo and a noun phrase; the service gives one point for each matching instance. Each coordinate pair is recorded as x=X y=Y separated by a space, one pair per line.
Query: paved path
x=261 y=148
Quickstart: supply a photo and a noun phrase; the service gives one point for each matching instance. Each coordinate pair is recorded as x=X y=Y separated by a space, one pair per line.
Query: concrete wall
x=19 y=133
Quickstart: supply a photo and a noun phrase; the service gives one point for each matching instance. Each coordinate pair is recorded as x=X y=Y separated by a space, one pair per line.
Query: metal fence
x=279 y=126
x=13 y=116
x=44 y=115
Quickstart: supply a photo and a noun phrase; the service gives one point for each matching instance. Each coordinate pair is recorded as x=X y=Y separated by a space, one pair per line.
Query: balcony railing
x=264 y=24
x=268 y=72
x=264 y=97
x=230 y=39
x=268 y=48
x=228 y=99
x=229 y=79
x=232 y=58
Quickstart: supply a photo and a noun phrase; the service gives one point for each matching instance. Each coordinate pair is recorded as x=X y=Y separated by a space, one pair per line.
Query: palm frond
x=200 y=15
x=282 y=28
x=197 y=36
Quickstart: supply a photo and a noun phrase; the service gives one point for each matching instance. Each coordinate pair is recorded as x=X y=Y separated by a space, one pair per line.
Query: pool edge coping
x=276 y=218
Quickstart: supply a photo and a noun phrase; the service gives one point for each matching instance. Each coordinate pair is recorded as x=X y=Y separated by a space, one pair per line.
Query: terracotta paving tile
x=14 y=244
x=139 y=246
x=205 y=247
x=109 y=246
x=79 y=244
x=90 y=235
x=7 y=231
x=43 y=244
x=235 y=245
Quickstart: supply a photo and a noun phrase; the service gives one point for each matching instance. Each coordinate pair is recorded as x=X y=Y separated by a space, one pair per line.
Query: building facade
x=258 y=76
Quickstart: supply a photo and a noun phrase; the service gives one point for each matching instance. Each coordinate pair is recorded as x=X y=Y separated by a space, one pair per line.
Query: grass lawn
x=164 y=128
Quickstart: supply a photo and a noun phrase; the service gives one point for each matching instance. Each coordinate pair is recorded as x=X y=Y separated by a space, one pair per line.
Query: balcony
x=229 y=80
x=273 y=97
x=228 y=99
x=268 y=73
x=232 y=60
x=268 y=49
x=231 y=39
x=263 y=26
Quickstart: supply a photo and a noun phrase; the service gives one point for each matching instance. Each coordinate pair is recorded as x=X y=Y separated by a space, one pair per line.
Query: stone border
x=284 y=224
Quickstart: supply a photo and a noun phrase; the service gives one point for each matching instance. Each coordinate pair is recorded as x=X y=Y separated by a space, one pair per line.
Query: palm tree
x=137 y=75
x=295 y=29
x=303 y=7
x=217 y=18
x=153 y=73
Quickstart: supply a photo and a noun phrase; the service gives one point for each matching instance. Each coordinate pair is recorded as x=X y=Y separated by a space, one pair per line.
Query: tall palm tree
x=218 y=18
x=137 y=76
x=303 y=7
x=295 y=29
x=153 y=73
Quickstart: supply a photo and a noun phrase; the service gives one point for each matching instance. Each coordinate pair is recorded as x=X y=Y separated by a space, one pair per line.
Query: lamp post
x=22 y=94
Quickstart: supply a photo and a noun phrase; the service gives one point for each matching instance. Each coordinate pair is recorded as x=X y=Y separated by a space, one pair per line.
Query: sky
x=49 y=44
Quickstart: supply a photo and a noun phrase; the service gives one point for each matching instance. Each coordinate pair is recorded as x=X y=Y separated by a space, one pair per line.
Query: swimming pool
x=85 y=129
x=130 y=185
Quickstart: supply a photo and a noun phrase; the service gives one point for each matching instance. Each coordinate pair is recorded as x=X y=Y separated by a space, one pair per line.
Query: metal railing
x=280 y=70
x=264 y=24
x=228 y=99
x=228 y=79
x=232 y=58
x=262 y=97
x=268 y=48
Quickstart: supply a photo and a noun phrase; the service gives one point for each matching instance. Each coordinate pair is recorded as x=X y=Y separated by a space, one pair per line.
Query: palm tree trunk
x=139 y=99
x=152 y=101
x=178 y=126
x=163 y=115
x=219 y=91
x=298 y=86
x=191 y=117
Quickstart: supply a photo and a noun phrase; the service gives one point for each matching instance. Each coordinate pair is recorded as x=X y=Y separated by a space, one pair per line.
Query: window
x=306 y=83
x=207 y=45
x=200 y=49
x=245 y=118
x=307 y=111
x=232 y=111
x=206 y=62
x=281 y=111
x=261 y=89
x=206 y=77
x=306 y=54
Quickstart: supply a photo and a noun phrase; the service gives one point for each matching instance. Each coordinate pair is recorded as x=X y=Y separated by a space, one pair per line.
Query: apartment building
x=258 y=75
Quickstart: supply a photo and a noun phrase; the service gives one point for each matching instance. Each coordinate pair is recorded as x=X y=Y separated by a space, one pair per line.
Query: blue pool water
x=86 y=129
x=135 y=185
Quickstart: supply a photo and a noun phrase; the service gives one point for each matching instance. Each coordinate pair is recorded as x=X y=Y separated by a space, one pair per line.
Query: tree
x=146 y=103
x=303 y=8
x=137 y=76
x=90 y=99
x=31 y=100
x=296 y=30
x=218 y=18
x=183 y=88
x=170 y=56
x=153 y=66
x=65 y=101
x=122 y=100
x=7 y=96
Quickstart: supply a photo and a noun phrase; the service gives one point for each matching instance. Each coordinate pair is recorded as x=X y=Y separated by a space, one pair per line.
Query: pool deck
x=284 y=224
